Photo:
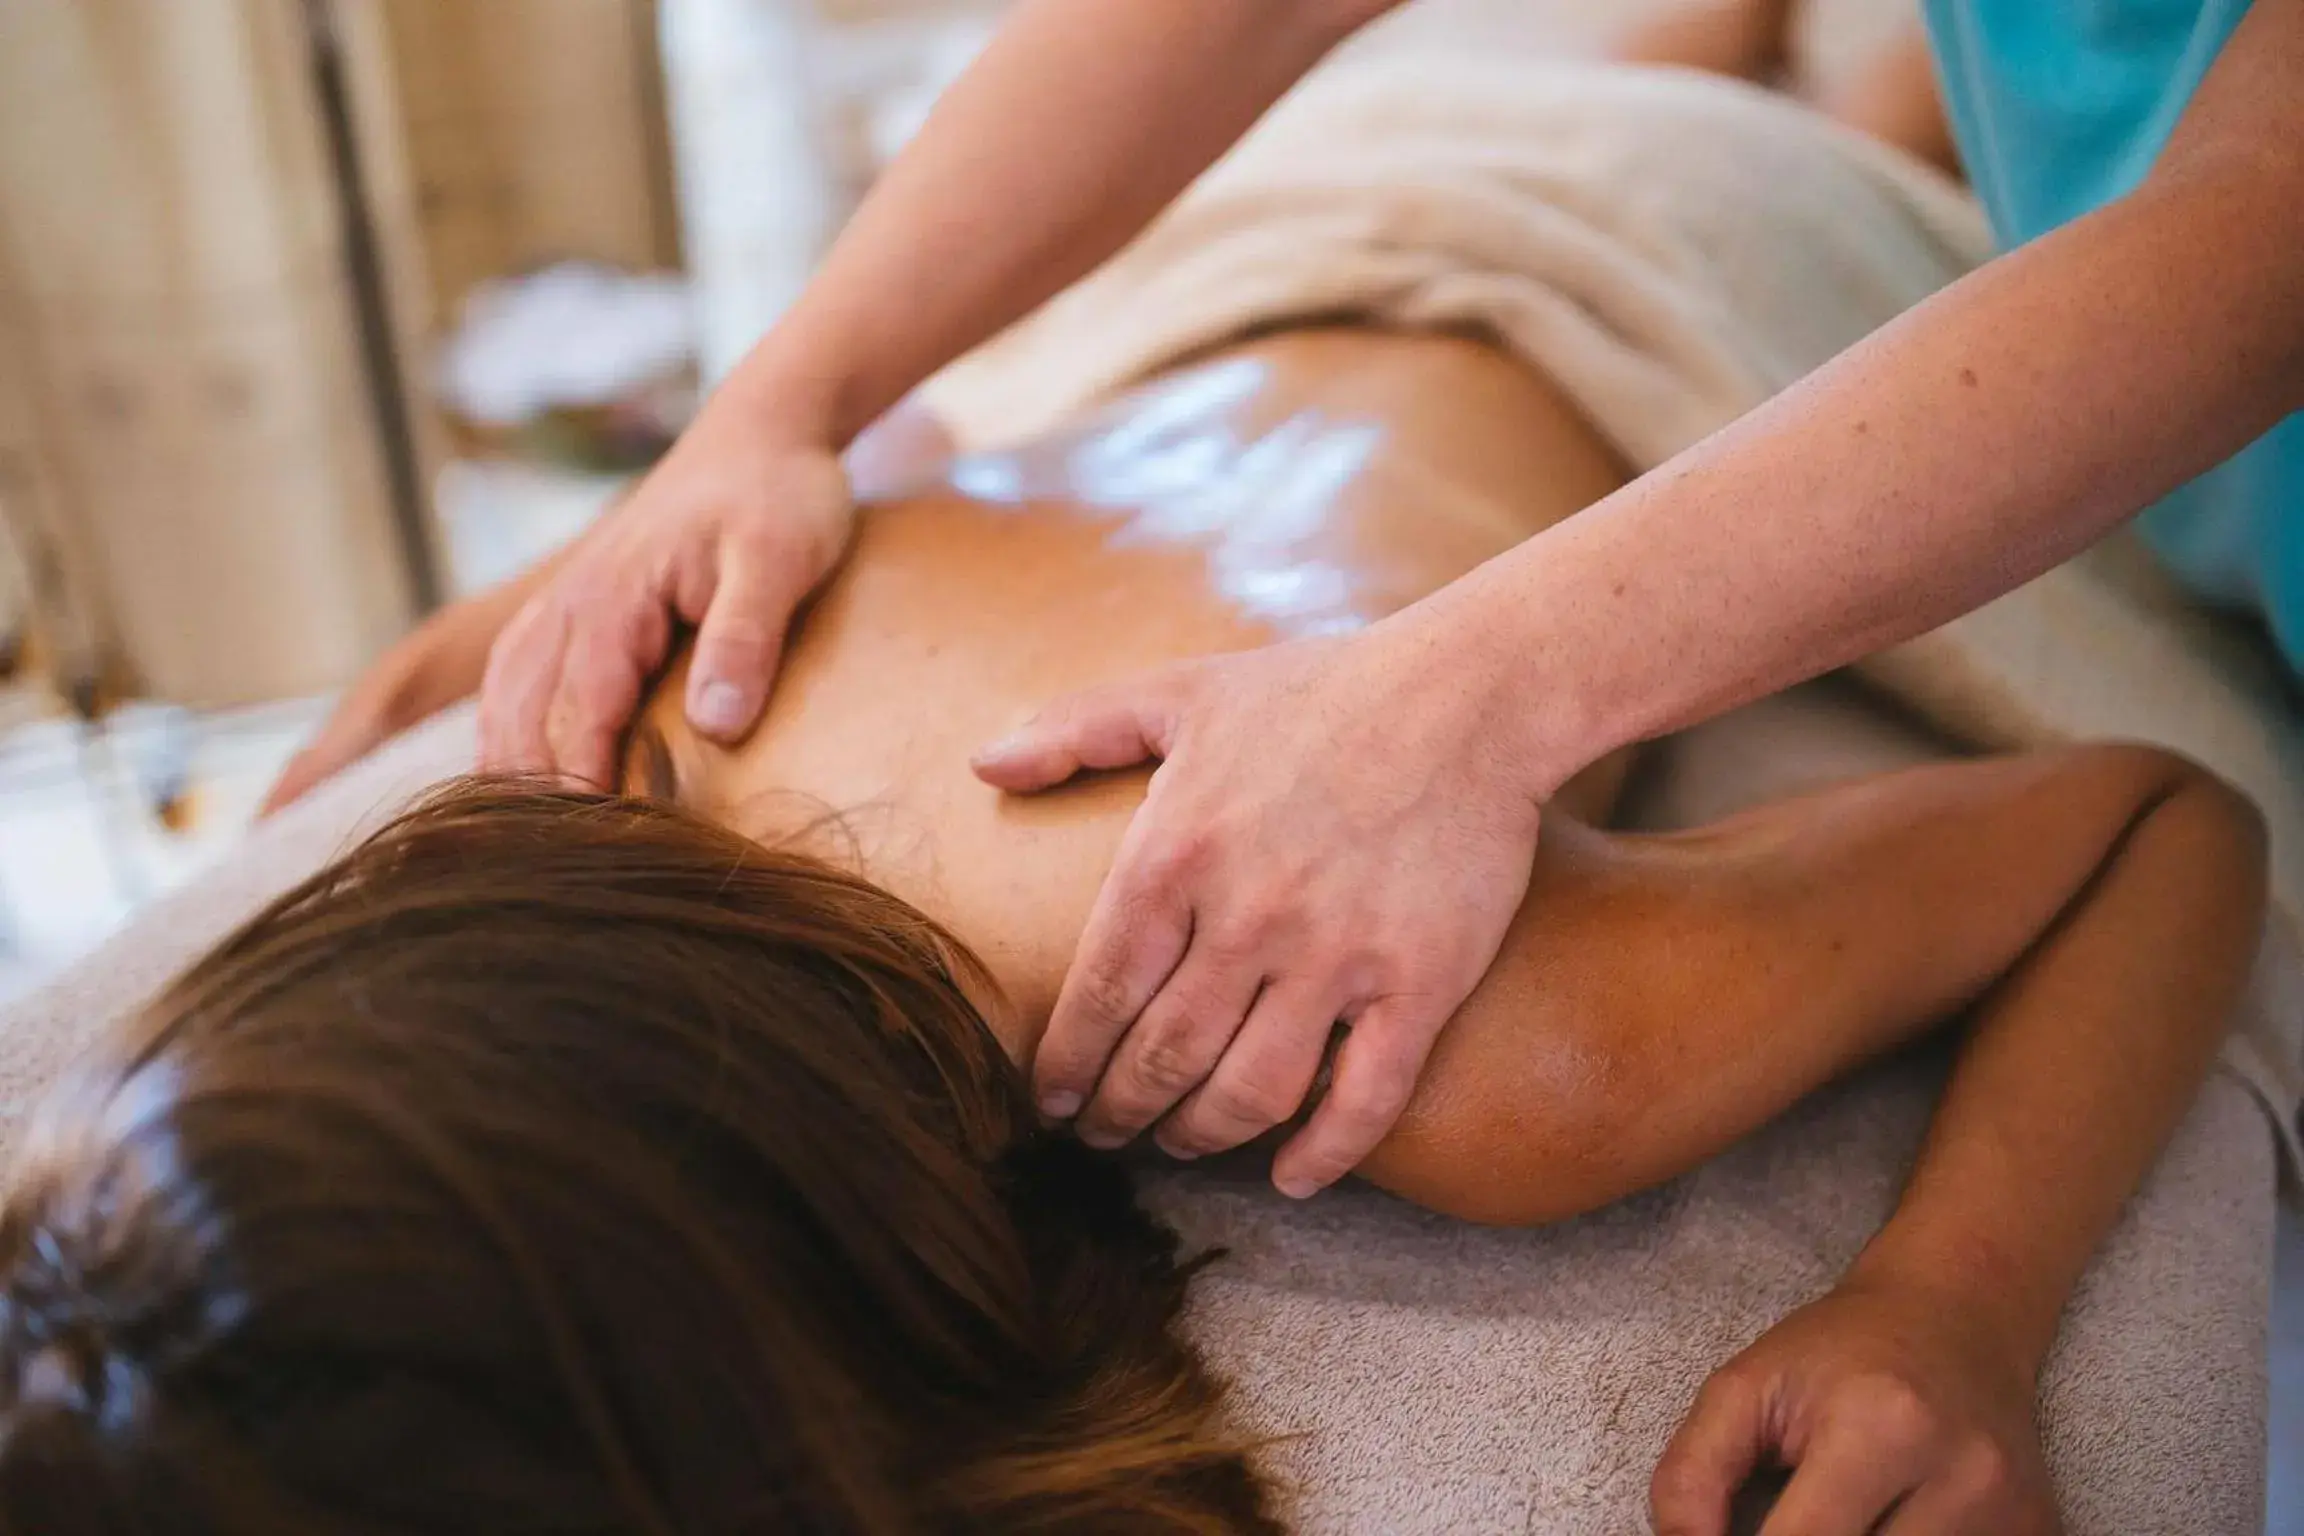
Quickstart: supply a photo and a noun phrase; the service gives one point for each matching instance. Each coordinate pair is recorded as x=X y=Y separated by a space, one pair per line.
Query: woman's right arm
x=438 y=663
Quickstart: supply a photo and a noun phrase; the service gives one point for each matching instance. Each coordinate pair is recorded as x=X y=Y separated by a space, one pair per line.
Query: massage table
x=1419 y=1375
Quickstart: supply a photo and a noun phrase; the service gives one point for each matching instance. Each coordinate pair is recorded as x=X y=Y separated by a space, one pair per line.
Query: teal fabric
x=2060 y=106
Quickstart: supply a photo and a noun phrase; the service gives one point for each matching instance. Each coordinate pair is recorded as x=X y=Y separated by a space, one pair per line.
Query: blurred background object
x=185 y=324
x=232 y=236
x=315 y=313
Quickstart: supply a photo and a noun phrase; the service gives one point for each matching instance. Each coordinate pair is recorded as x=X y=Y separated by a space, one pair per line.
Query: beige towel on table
x=1672 y=248
x=1422 y=1377
x=1427 y=1378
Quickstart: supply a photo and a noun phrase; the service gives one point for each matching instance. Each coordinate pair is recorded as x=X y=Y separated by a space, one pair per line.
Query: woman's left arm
x=1911 y=1385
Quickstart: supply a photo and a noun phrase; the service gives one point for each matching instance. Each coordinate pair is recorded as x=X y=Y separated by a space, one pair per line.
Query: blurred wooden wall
x=535 y=130
x=211 y=397
x=193 y=419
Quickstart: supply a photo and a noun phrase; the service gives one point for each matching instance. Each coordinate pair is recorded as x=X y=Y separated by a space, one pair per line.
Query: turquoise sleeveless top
x=2060 y=106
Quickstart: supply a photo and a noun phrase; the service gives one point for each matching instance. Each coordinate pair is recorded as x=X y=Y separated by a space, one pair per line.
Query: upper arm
x=1659 y=998
x=2240 y=144
x=2251 y=103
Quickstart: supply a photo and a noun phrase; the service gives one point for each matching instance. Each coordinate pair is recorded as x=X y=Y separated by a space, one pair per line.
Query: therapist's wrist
x=1544 y=722
x=784 y=401
x=808 y=382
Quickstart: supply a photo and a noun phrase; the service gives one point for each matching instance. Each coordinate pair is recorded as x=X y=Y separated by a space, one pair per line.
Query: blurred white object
x=782 y=111
x=896 y=70
x=759 y=194
x=500 y=516
x=572 y=335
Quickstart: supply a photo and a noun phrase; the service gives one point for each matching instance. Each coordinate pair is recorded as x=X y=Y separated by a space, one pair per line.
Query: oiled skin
x=1657 y=996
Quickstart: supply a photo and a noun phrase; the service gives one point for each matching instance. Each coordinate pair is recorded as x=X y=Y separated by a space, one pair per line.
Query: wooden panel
x=535 y=131
x=224 y=470
x=54 y=580
x=158 y=149
x=377 y=122
x=172 y=233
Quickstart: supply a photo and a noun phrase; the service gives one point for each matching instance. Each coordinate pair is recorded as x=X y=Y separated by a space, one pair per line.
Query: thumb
x=740 y=641
x=1117 y=726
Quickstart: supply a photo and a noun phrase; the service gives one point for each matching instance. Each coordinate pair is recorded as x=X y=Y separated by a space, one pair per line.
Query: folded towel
x=1671 y=248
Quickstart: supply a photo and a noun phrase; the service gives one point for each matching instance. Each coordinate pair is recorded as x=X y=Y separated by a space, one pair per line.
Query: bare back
x=1306 y=482
x=1655 y=997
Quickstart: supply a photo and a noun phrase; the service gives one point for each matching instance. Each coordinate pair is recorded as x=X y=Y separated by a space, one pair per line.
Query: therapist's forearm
x=1982 y=438
x=1077 y=125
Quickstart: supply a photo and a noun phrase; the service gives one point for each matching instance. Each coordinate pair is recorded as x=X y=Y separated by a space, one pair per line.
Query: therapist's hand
x=730 y=533
x=1339 y=832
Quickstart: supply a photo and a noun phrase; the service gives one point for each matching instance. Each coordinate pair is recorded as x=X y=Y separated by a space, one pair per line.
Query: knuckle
x=642 y=626
x=1677 y=1490
x=1891 y=1410
x=1368 y=1104
x=1983 y=1469
x=1168 y=1065
x=1358 y=1120
x=737 y=639
x=1252 y=928
x=1734 y=1388
x=1106 y=998
x=1362 y=959
x=1171 y=857
x=1252 y=1104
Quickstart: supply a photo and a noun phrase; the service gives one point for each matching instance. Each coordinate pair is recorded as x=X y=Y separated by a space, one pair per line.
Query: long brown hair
x=557 y=1163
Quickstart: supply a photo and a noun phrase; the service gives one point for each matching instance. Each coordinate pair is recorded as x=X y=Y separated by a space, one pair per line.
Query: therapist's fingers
x=517 y=689
x=1265 y=1074
x=1135 y=936
x=604 y=670
x=763 y=576
x=1715 y=1449
x=1175 y=1042
x=1115 y=726
x=1376 y=1070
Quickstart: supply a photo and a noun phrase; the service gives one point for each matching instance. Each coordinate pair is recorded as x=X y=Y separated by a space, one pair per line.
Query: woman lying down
x=560 y=1162
x=571 y=1163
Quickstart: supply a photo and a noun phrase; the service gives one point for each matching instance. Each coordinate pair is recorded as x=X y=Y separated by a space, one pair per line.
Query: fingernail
x=717 y=707
x=1175 y=1149
x=1005 y=747
x=1060 y=1106
x=1103 y=1140
x=1298 y=1188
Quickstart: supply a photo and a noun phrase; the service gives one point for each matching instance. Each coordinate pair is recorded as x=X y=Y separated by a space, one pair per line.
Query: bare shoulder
x=1659 y=997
